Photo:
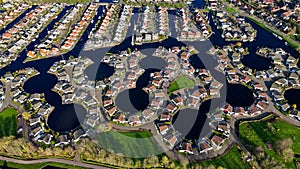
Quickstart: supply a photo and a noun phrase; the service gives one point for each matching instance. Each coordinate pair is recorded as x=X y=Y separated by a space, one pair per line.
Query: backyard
x=268 y=132
x=182 y=82
x=8 y=122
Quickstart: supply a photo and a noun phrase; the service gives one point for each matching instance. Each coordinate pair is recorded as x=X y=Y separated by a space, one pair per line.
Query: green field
x=230 y=10
x=232 y=160
x=37 y=166
x=182 y=82
x=8 y=122
x=254 y=134
x=130 y=144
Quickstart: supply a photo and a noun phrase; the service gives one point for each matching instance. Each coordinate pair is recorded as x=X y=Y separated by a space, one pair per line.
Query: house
x=134 y=120
x=217 y=141
x=214 y=92
x=156 y=103
x=44 y=109
x=35 y=96
x=258 y=86
x=223 y=127
x=227 y=108
x=111 y=110
x=285 y=107
x=34 y=120
x=178 y=101
x=171 y=108
x=186 y=147
x=78 y=134
x=46 y=139
x=163 y=128
x=204 y=146
x=253 y=110
x=107 y=102
x=35 y=132
x=147 y=113
x=171 y=140
x=275 y=87
x=165 y=116
x=239 y=111
x=262 y=105
x=120 y=118
x=62 y=140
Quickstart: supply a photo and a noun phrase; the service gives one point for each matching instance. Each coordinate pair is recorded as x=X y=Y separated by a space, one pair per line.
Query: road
x=55 y=160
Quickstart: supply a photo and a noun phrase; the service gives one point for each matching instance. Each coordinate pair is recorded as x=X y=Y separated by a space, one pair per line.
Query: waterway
x=239 y=95
x=292 y=96
x=44 y=82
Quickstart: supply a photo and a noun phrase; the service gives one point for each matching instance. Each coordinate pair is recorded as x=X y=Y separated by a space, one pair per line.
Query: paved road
x=56 y=160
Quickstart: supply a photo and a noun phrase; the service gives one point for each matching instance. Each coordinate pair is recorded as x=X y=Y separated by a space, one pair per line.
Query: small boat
x=280 y=38
x=115 y=1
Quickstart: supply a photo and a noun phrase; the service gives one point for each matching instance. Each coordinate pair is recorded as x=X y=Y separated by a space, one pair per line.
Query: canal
x=44 y=82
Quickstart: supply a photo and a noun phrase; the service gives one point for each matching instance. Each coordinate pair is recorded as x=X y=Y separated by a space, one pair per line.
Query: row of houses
x=11 y=12
x=260 y=102
x=125 y=77
x=80 y=27
x=111 y=28
x=78 y=88
x=210 y=144
x=34 y=105
x=186 y=28
x=15 y=39
x=278 y=89
x=51 y=44
x=201 y=20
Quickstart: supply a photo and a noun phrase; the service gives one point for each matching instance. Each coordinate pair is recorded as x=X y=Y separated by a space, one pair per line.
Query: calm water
x=134 y=100
x=293 y=97
x=44 y=82
x=239 y=95
x=192 y=123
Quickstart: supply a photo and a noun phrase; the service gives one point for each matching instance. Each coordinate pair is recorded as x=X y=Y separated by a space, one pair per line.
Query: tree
x=165 y=161
x=285 y=150
x=269 y=162
x=211 y=167
x=294 y=106
x=260 y=152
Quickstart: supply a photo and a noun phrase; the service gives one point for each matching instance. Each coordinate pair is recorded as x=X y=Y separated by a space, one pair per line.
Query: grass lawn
x=130 y=144
x=231 y=160
x=231 y=10
x=8 y=122
x=254 y=134
x=182 y=82
x=38 y=166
